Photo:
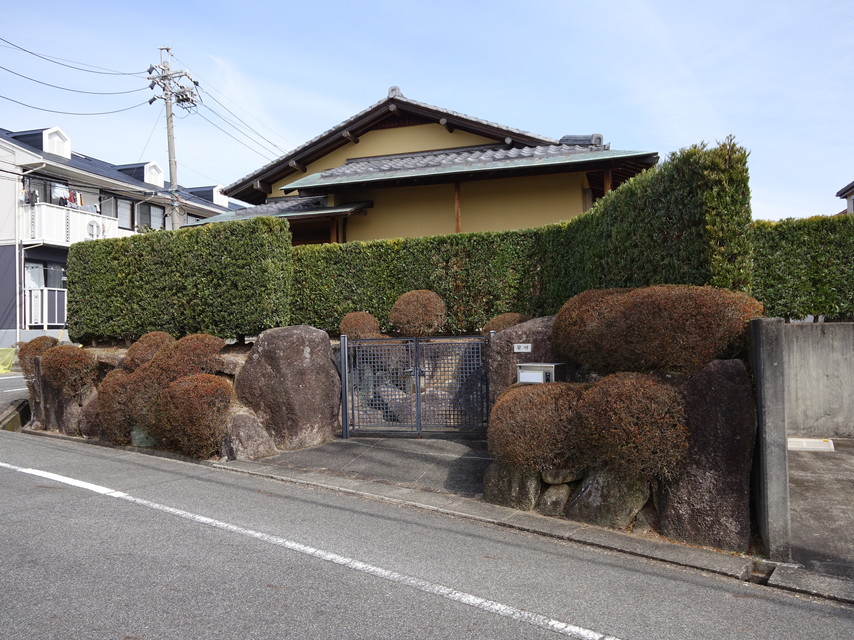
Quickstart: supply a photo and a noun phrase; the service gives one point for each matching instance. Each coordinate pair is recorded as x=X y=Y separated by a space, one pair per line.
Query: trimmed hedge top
x=230 y=279
x=804 y=267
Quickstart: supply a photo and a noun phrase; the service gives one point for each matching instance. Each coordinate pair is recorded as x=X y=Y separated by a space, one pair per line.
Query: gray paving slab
x=798 y=579
x=821 y=496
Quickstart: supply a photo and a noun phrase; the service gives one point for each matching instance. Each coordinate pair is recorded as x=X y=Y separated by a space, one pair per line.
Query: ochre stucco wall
x=486 y=205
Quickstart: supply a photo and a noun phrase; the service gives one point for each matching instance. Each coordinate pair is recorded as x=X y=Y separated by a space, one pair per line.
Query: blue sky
x=650 y=76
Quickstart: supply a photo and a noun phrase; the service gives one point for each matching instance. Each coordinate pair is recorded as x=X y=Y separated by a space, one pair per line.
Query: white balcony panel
x=63 y=226
x=45 y=308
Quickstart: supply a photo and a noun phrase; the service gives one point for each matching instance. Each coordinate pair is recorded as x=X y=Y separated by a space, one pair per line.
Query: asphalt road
x=157 y=548
x=12 y=386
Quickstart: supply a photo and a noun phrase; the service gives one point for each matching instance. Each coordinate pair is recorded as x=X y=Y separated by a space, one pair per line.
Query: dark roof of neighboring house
x=486 y=161
x=255 y=186
x=844 y=191
x=102 y=169
x=292 y=208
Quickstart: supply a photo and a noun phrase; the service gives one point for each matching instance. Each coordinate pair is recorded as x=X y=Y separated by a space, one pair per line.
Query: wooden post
x=607 y=179
x=458 y=209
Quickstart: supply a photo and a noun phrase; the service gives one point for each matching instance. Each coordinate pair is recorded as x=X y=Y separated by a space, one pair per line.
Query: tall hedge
x=804 y=267
x=686 y=221
x=230 y=279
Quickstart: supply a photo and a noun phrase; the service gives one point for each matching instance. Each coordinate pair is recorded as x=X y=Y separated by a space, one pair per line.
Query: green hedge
x=804 y=267
x=479 y=275
x=230 y=280
x=686 y=221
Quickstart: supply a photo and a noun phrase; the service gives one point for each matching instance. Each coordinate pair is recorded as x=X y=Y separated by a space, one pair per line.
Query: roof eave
x=261 y=181
x=637 y=161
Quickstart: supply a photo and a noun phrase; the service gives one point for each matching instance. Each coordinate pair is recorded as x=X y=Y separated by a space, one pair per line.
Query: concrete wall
x=804 y=376
x=819 y=379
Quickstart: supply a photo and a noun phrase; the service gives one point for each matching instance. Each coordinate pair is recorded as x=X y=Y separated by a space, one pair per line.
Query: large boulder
x=245 y=438
x=290 y=382
x=511 y=487
x=501 y=362
x=708 y=503
x=608 y=499
x=62 y=413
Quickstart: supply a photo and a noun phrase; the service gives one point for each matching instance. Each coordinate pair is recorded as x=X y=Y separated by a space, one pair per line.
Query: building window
x=40 y=275
x=124 y=212
x=48 y=191
x=150 y=216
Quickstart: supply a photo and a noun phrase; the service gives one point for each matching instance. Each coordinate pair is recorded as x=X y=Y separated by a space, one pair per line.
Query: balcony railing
x=45 y=308
x=52 y=224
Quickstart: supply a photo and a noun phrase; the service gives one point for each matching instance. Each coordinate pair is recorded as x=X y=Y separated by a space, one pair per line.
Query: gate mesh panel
x=414 y=384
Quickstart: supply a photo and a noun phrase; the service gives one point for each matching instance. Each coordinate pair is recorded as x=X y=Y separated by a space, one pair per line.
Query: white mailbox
x=539 y=372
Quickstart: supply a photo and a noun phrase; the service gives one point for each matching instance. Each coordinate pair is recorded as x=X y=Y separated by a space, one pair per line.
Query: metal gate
x=413 y=384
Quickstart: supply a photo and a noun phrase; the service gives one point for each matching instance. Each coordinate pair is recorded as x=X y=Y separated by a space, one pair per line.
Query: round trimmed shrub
x=190 y=415
x=418 y=313
x=504 y=321
x=145 y=349
x=632 y=424
x=69 y=368
x=132 y=398
x=359 y=325
x=114 y=418
x=29 y=351
x=532 y=426
x=677 y=328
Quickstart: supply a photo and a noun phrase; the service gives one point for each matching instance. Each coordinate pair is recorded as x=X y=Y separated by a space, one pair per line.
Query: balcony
x=45 y=308
x=62 y=226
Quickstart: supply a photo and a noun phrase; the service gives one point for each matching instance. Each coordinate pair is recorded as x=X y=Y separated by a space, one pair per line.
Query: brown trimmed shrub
x=632 y=424
x=145 y=349
x=532 y=426
x=418 y=313
x=190 y=415
x=676 y=328
x=69 y=368
x=132 y=399
x=114 y=418
x=29 y=351
x=504 y=321
x=359 y=325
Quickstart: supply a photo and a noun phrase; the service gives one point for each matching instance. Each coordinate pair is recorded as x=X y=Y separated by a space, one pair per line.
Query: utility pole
x=185 y=95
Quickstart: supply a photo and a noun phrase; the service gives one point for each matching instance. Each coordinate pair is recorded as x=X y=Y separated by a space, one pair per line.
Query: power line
x=268 y=158
x=231 y=124
x=70 y=113
x=270 y=142
x=150 y=135
x=97 y=93
x=208 y=84
x=55 y=61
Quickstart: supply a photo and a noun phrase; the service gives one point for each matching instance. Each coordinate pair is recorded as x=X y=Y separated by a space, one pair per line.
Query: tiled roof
x=438 y=165
x=102 y=169
x=468 y=157
x=844 y=191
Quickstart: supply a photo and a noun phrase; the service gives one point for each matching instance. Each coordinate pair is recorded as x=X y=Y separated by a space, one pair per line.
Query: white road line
x=11 y=390
x=433 y=588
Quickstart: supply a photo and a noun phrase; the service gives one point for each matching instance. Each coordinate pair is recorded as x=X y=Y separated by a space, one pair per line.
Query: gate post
x=345 y=384
x=416 y=371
